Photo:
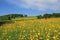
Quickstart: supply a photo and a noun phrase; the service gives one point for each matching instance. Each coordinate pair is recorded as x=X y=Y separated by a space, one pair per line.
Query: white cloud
x=37 y=4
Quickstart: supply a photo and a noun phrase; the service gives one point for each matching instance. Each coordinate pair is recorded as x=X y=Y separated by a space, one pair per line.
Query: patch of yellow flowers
x=37 y=29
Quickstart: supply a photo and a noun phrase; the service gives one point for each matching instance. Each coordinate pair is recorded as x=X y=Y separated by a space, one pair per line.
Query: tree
x=9 y=18
x=47 y=15
x=56 y=14
x=25 y=15
x=39 y=17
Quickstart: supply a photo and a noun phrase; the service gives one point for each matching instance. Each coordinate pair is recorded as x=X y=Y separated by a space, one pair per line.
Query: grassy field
x=31 y=29
x=24 y=18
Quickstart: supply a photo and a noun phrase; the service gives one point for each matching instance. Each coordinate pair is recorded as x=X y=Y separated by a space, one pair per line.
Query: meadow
x=31 y=29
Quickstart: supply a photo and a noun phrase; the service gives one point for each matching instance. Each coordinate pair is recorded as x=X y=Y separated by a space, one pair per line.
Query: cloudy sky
x=29 y=7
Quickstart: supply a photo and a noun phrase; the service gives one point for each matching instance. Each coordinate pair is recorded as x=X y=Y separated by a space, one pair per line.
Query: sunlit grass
x=37 y=29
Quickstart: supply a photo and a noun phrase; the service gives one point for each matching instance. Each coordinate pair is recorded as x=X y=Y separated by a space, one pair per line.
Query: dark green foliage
x=2 y=22
x=10 y=16
x=25 y=15
x=49 y=15
x=4 y=18
x=15 y=15
x=56 y=14
x=39 y=17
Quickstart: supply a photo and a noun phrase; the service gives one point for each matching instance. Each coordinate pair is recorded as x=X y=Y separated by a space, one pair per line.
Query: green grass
x=23 y=18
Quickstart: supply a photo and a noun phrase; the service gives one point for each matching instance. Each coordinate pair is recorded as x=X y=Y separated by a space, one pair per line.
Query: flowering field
x=36 y=29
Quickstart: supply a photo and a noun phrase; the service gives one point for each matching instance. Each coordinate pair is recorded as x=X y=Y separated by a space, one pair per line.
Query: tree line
x=53 y=15
x=10 y=16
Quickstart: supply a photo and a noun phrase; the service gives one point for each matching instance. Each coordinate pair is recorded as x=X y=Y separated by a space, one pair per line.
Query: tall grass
x=37 y=29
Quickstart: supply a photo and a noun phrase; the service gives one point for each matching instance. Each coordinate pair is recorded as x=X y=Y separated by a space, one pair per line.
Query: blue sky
x=29 y=7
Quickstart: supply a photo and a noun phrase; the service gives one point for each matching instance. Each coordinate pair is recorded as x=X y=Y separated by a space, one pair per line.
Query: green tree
x=47 y=15
x=39 y=17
